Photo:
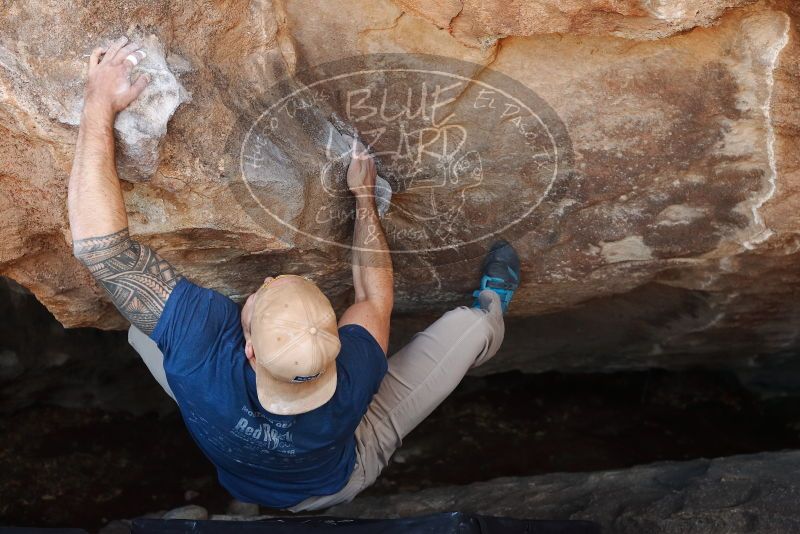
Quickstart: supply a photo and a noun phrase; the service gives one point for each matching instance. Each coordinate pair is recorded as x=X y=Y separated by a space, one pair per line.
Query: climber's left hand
x=109 y=89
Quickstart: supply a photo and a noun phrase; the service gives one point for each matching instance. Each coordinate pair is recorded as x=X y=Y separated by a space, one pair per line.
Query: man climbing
x=295 y=409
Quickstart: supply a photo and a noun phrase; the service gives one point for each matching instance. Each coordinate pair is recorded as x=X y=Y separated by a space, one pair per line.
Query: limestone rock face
x=642 y=155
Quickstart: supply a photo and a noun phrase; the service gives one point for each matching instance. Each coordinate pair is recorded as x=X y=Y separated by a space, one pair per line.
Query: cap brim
x=292 y=398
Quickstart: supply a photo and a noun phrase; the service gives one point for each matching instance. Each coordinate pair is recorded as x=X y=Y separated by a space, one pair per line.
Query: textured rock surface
x=474 y=22
x=670 y=231
x=141 y=127
x=752 y=494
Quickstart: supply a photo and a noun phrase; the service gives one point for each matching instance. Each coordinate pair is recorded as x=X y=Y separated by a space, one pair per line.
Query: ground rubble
x=748 y=494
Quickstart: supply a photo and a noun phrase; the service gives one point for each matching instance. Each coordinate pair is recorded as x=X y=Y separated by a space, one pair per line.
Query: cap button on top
x=312 y=330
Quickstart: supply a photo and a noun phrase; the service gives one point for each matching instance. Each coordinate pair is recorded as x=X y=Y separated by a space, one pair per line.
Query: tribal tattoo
x=138 y=280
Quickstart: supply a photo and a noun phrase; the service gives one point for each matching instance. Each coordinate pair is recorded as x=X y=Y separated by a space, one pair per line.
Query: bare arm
x=372 y=264
x=137 y=279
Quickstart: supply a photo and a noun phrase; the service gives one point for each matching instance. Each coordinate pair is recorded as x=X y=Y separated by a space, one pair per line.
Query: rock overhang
x=680 y=176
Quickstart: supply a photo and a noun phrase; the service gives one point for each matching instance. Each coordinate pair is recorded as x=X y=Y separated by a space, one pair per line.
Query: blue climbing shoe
x=500 y=273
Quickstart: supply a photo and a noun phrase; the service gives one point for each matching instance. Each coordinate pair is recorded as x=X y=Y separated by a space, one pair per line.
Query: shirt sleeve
x=361 y=364
x=195 y=326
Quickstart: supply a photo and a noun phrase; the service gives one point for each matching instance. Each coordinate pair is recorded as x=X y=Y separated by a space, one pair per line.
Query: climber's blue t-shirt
x=274 y=460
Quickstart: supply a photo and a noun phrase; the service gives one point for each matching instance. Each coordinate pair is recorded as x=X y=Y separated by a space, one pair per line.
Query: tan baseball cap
x=296 y=342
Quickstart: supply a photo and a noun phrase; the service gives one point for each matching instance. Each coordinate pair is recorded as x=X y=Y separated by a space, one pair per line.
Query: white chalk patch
x=737 y=138
x=632 y=248
x=770 y=52
x=678 y=214
x=665 y=9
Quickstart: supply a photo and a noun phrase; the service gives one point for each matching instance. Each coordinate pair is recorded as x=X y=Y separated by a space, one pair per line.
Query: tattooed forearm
x=138 y=280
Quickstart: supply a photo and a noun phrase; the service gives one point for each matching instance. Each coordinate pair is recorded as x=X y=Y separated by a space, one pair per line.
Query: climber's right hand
x=109 y=89
x=361 y=173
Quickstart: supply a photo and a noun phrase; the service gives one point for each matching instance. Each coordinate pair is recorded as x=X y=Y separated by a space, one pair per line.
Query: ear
x=248 y=350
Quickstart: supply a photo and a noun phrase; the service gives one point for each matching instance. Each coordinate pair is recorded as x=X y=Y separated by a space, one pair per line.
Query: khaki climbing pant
x=421 y=375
